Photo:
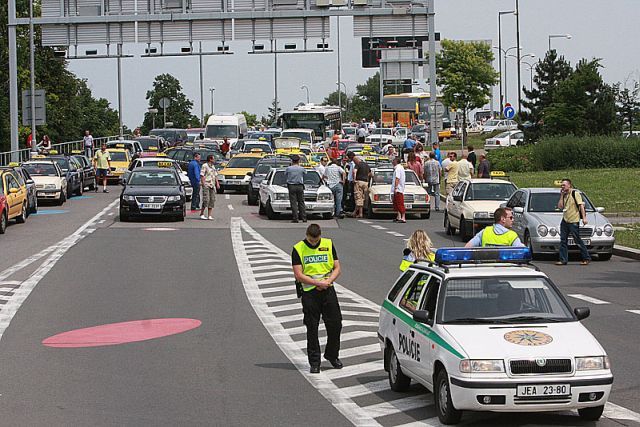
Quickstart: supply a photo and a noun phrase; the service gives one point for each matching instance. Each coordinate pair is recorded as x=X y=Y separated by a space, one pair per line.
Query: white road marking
x=362 y=389
x=379 y=227
x=344 y=337
x=110 y=213
x=264 y=261
x=276 y=280
x=359 y=313
x=589 y=299
x=230 y=207
x=290 y=318
x=351 y=370
x=287 y=307
x=357 y=351
x=345 y=323
x=10 y=309
x=281 y=298
x=399 y=405
x=394 y=233
x=278 y=289
x=634 y=311
x=611 y=410
x=433 y=422
x=226 y=196
x=24 y=263
x=101 y=221
x=283 y=272
x=10 y=284
x=364 y=221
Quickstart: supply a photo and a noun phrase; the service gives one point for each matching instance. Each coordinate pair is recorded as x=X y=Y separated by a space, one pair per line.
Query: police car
x=485 y=331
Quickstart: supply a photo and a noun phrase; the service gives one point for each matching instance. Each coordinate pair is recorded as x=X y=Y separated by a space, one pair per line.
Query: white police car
x=484 y=331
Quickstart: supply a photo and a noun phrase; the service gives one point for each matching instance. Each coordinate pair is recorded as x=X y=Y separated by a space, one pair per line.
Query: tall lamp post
x=505 y=53
x=307 y=89
x=518 y=52
x=506 y=12
x=531 y=67
x=526 y=55
x=212 y=91
x=558 y=36
x=346 y=101
x=153 y=112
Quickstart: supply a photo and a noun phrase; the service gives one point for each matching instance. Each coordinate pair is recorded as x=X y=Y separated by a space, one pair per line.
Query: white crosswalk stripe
x=351 y=370
x=589 y=299
x=398 y=405
x=357 y=351
x=367 y=388
x=345 y=323
x=274 y=280
x=274 y=273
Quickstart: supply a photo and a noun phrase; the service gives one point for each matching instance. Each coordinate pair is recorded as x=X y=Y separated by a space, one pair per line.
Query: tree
x=274 y=112
x=628 y=103
x=582 y=104
x=550 y=72
x=250 y=118
x=332 y=98
x=366 y=102
x=179 y=110
x=466 y=76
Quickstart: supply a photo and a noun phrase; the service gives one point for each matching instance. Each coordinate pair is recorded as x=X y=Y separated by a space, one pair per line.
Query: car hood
x=148 y=190
x=553 y=219
x=549 y=340
x=483 y=205
x=386 y=189
x=235 y=171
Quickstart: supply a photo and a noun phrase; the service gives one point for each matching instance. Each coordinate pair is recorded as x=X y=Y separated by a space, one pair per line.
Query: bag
x=573 y=194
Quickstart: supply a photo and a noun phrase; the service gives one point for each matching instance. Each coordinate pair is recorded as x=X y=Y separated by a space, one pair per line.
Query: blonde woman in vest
x=419 y=247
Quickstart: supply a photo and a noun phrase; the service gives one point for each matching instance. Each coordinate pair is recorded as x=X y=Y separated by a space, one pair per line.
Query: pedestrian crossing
x=360 y=391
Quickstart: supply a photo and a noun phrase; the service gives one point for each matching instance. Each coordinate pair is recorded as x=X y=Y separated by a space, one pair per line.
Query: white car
x=50 y=181
x=273 y=198
x=161 y=162
x=471 y=205
x=510 y=138
x=485 y=335
x=382 y=136
x=498 y=124
x=307 y=136
x=416 y=199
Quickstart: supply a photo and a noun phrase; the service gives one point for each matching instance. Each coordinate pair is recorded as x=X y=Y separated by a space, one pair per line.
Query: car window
x=411 y=297
x=18 y=176
x=548 y=202
x=153 y=178
x=243 y=162
x=393 y=294
x=490 y=191
x=118 y=156
x=518 y=135
x=459 y=189
x=431 y=298
x=11 y=181
x=41 y=169
x=1 y=185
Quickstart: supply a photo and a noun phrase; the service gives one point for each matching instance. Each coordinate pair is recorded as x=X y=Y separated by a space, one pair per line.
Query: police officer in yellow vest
x=498 y=234
x=316 y=266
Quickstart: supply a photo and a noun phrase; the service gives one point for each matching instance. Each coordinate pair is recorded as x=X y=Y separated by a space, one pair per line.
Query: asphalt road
x=232 y=275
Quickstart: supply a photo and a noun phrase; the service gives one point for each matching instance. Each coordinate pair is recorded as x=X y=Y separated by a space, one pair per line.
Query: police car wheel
x=444 y=405
x=591 y=414
x=397 y=380
x=529 y=244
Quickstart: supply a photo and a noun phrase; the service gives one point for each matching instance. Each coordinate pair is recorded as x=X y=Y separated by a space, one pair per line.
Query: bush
x=568 y=152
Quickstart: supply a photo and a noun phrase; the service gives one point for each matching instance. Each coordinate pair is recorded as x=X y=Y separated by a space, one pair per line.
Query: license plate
x=408 y=206
x=151 y=206
x=233 y=181
x=537 y=390
x=572 y=242
x=41 y=194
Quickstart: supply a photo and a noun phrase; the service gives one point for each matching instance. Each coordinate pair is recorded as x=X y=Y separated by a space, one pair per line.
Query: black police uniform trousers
x=296 y=200
x=322 y=303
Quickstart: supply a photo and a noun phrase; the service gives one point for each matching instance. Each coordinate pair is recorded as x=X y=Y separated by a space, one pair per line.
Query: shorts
x=398 y=203
x=101 y=173
x=360 y=193
x=208 y=197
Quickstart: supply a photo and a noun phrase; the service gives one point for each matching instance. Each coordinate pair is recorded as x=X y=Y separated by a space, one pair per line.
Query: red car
x=4 y=211
x=337 y=150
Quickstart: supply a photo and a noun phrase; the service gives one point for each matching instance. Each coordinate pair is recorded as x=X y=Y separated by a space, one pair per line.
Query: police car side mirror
x=582 y=312
x=518 y=209
x=422 y=316
x=599 y=210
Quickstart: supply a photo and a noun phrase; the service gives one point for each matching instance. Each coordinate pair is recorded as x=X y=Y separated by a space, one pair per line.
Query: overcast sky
x=607 y=30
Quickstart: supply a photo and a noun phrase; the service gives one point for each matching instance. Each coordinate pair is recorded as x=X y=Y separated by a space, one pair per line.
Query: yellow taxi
x=16 y=196
x=236 y=175
x=120 y=160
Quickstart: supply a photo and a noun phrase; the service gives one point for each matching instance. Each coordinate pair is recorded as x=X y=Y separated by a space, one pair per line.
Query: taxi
x=120 y=160
x=416 y=198
x=50 y=181
x=153 y=191
x=236 y=175
x=162 y=161
x=24 y=179
x=15 y=195
x=486 y=331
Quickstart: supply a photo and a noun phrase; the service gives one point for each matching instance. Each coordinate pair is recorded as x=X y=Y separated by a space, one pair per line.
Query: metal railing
x=24 y=154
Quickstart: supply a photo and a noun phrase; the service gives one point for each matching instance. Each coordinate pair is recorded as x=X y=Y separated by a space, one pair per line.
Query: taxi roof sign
x=557 y=182
x=76 y=151
x=498 y=173
x=13 y=164
x=507 y=254
x=53 y=151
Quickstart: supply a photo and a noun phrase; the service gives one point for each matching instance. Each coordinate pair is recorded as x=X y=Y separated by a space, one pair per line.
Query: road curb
x=626 y=252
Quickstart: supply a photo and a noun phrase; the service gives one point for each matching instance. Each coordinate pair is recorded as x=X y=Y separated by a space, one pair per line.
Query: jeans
x=195 y=198
x=316 y=304
x=337 y=191
x=571 y=229
x=434 y=191
x=296 y=200
x=87 y=152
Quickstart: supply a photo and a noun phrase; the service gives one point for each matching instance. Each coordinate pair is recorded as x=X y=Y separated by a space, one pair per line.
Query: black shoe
x=561 y=263
x=105 y=191
x=336 y=363
x=315 y=369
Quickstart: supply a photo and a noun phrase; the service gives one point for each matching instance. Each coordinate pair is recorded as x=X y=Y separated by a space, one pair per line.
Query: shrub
x=513 y=159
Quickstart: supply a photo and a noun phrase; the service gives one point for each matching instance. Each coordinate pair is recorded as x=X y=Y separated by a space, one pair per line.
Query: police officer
x=316 y=266
x=498 y=234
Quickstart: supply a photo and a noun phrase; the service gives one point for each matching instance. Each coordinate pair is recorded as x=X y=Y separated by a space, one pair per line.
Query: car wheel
x=426 y=215
x=20 y=219
x=528 y=243
x=463 y=230
x=63 y=197
x=80 y=189
x=260 y=207
x=252 y=198
x=447 y=413
x=3 y=222
x=327 y=215
x=397 y=380
x=448 y=229
x=92 y=186
x=182 y=216
x=271 y=214
x=370 y=213
x=591 y=414
x=605 y=256
x=34 y=208
x=124 y=217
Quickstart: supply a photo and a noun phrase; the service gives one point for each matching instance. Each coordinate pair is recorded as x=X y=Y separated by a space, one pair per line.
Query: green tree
x=466 y=76
x=274 y=113
x=179 y=110
x=250 y=118
x=582 y=104
x=366 y=102
x=550 y=72
x=628 y=103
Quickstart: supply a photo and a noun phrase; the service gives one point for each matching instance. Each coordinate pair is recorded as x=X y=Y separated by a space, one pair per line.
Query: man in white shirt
x=88 y=144
x=322 y=166
x=397 y=190
x=334 y=176
x=465 y=168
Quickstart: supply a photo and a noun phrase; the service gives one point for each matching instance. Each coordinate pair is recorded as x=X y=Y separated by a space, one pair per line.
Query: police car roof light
x=483 y=255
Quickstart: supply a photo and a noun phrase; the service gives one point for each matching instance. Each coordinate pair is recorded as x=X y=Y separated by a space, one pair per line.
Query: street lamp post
x=507 y=12
x=346 y=101
x=338 y=54
x=526 y=55
x=153 y=112
x=558 y=36
x=212 y=90
x=505 y=52
x=307 y=89
x=531 y=67
x=518 y=52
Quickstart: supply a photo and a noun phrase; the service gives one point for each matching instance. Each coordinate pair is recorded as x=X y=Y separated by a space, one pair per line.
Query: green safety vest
x=490 y=238
x=316 y=263
x=406 y=263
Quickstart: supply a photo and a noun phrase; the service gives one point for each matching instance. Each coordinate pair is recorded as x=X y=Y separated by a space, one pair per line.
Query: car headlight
x=128 y=198
x=481 y=215
x=221 y=178
x=608 y=230
x=325 y=196
x=542 y=230
x=553 y=232
x=381 y=197
x=420 y=197
x=173 y=199
x=592 y=363
x=470 y=366
x=281 y=196
x=247 y=178
x=50 y=186
x=598 y=231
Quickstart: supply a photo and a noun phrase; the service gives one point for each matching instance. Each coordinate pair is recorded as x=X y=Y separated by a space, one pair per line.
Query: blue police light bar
x=508 y=254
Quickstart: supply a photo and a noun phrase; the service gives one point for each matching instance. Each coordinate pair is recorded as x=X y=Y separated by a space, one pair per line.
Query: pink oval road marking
x=121 y=333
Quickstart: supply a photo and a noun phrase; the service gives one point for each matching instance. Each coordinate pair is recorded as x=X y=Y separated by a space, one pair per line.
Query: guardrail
x=24 y=154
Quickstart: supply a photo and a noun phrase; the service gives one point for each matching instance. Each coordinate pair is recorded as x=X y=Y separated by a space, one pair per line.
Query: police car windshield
x=243 y=162
x=153 y=178
x=502 y=300
x=311 y=178
x=385 y=177
x=548 y=202
x=490 y=191
x=41 y=169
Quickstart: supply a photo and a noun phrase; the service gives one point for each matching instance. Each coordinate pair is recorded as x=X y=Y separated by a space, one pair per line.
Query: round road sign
x=509 y=112
x=164 y=102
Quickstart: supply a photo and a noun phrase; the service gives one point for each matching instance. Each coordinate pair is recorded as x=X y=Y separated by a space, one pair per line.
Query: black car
x=88 y=172
x=25 y=179
x=183 y=155
x=152 y=144
x=260 y=173
x=153 y=192
x=172 y=136
x=72 y=170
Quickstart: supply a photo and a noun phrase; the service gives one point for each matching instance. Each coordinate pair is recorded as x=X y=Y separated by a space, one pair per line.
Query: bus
x=411 y=109
x=322 y=119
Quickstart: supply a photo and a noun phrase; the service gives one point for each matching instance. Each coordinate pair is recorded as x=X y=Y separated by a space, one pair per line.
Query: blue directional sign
x=509 y=112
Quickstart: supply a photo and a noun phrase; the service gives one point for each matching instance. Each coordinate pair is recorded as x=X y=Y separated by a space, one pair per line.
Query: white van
x=233 y=126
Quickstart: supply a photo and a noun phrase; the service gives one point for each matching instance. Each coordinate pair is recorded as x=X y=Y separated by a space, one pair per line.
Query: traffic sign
x=165 y=103
x=509 y=112
x=507 y=105
x=438 y=109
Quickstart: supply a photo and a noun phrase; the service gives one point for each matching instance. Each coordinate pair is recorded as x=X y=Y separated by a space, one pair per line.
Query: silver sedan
x=537 y=222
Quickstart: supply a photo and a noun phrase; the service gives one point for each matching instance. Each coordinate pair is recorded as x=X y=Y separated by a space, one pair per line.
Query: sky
x=598 y=29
